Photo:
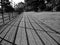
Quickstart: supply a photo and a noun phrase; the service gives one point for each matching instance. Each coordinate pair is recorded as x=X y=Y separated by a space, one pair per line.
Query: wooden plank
x=10 y=36
x=19 y=36
x=6 y=28
x=5 y=43
x=3 y=33
x=55 y=36
x=48 y=38
x=44 y=37
x=22 y=23
x=23 y=41
x=33 y=38
x=30 y=37
x=27 y=23
x=37 y=40
x=34 y=35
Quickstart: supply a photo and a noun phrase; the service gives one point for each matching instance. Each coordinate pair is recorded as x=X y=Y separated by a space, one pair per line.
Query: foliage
x=9 y=8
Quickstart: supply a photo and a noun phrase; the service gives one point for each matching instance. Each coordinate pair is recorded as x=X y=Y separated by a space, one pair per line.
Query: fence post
x=12 y=14
x=9 y=16
x=2 y=11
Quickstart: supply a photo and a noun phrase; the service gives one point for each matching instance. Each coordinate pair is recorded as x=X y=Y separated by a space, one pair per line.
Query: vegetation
x=9 y=8
x=20 y=7
x=50 y=5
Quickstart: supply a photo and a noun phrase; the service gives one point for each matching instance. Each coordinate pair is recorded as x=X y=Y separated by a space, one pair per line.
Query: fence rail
x=7 y=17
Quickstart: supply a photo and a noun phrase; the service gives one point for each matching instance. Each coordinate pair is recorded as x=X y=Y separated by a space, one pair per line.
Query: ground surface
x=31 y=28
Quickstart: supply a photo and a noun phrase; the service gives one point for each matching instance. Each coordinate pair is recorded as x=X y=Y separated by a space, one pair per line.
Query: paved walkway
x=27 y=29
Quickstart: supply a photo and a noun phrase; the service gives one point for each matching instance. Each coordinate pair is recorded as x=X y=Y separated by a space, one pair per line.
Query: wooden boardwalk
x=28 y=30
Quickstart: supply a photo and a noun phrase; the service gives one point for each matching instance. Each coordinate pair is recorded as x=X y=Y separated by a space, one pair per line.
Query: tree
x=20 y=7
x=8 y=7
